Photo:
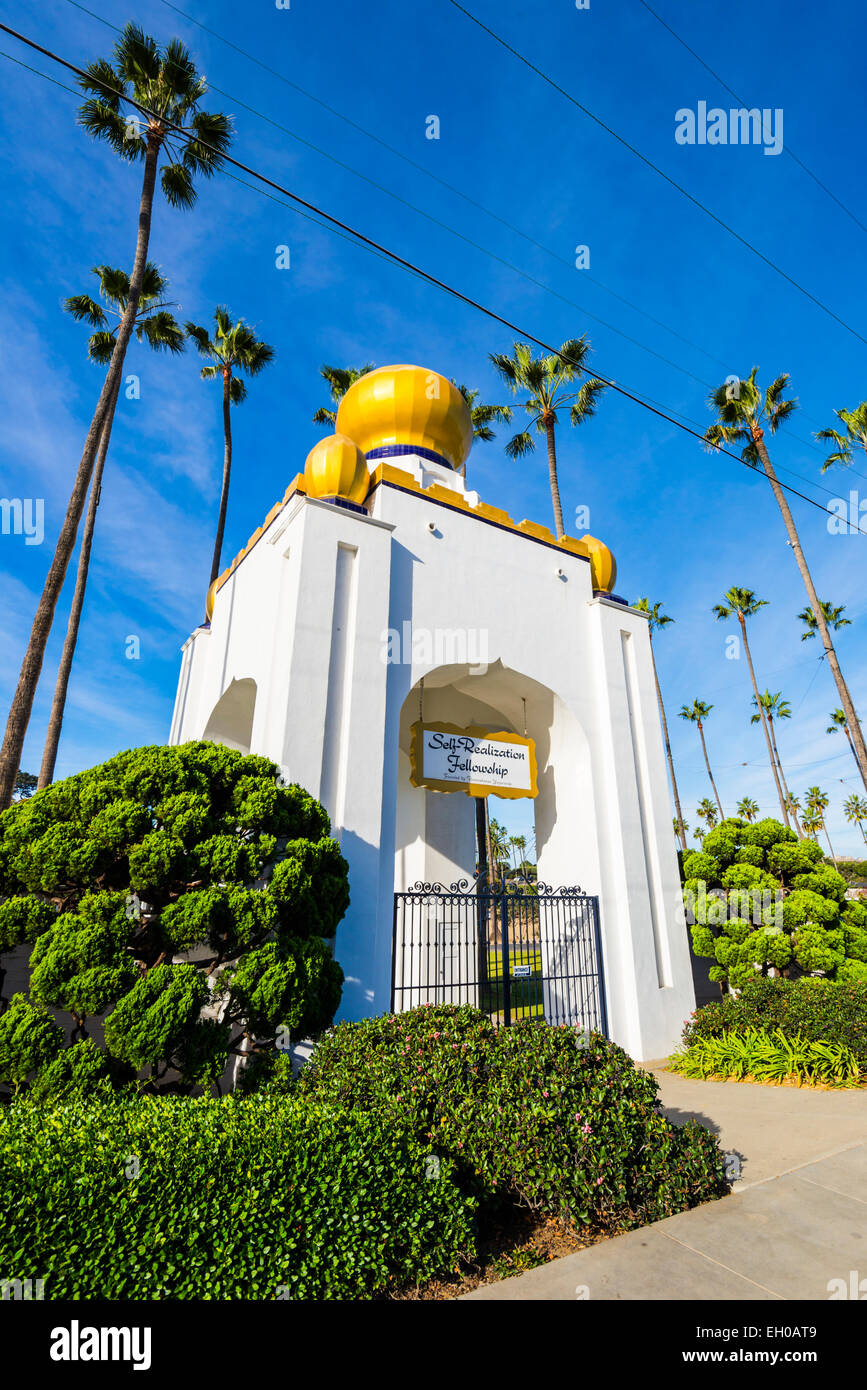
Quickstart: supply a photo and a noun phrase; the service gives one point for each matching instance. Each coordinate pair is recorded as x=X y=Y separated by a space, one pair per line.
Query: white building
x=381 y=592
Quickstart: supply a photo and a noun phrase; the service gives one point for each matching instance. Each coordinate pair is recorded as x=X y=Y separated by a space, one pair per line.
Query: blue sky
x=684 y=525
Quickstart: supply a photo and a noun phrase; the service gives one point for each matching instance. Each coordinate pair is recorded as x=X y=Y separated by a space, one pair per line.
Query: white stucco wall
x=304 y=616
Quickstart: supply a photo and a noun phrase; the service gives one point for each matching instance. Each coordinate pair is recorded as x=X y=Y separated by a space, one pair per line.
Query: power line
x=393 y=256
x=787 y=148
x=548 y=289
x=655 y=167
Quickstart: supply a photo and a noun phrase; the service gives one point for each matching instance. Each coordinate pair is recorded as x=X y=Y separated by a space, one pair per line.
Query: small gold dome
x=407 y=409
x=603 y=566
x=336 y=467
x=209 y=601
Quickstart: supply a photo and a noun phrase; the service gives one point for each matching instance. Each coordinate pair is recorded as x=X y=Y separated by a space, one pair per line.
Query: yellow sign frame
x=416 y=761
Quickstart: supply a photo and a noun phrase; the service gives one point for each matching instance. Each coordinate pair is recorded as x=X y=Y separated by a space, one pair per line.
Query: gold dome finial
x=603 y=566
x=407 y=410
x=336 y=468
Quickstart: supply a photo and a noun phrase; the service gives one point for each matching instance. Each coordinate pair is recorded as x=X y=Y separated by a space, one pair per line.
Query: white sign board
x=447 y=758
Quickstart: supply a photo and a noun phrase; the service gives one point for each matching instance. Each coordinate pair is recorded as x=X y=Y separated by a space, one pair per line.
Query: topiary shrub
x=761 y=901
x=239 y=1198
x=816 y=1009
x=551 y=1118
x=180 y=895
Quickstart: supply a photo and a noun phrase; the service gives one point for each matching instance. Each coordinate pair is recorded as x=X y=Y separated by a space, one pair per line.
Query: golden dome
x=209 y=600
x=336 y=467
x=603 y=566
x=406 y=409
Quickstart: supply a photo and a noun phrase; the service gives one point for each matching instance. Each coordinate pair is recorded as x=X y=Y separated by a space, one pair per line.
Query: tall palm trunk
x=552 y=478
x=761 y=710
x=830 y=846
x=842 y=687
x=788 y=794
x=680 y=830
x=849 y=741
x=227 y=471
x=55 y=723
x=31 y=667
x=707 y=765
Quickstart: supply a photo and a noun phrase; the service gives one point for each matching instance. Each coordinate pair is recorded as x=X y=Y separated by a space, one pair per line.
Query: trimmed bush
x=115 y=874
x=241 y=1198
x=552 y=1118
x=771 y=1057
x=794 y=903
x=819 y=1010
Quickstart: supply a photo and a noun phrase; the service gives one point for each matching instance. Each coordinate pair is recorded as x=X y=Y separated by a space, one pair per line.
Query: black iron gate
x=514 y=951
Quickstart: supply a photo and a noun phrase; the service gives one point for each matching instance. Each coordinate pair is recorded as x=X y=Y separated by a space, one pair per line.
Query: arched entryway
x=231 y=719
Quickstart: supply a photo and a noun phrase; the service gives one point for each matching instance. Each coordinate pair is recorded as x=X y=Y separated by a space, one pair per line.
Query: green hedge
x=553 y=1118
x=819 y=1010
x=769 y=1055
x=245 y=1197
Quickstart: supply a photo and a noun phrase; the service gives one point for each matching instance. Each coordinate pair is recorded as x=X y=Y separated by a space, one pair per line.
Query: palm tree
x=550 y=385
x=706 y=811
x=812 y=825
x=855 y=808
x=154 y=325
x=855 y=423
x=483 y=416
x=696 y=713
x=167 y=90
x=839 y=721
x=339 y=381
x=817 y=803
x=677 y=825
x=658 y=619
x=744 y=603
x=833 y=617
x=770 y=707
x=748 y=809
x=233 y=348
x=742 y=417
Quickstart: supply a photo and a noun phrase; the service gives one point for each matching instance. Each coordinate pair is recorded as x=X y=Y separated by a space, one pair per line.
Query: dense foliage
x=180 y=896
x=237 y=1198
x=818 y=1010
x=762 y=900
x=769 y=1056
x=552 y=1118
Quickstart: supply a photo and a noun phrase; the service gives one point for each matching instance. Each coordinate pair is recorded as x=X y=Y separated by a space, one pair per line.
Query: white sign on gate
x=476 y=761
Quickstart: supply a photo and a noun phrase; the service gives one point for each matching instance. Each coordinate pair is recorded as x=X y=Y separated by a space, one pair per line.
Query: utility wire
x=393 y=256
x=636 y=342
x=787 y=148
x=656 y=169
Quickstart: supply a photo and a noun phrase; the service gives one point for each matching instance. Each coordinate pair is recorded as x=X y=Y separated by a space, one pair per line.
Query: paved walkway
x=797 y=1217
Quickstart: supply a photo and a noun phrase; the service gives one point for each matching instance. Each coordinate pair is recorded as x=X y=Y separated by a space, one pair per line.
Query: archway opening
x=231 y=719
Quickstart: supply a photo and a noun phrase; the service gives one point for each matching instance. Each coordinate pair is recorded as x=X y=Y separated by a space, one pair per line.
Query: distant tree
x=833 y=617
x=775 y=707
x=748 y=809
x=339 y=380
x=838 y=722
x=154 y=325
x=743 y=414
x=855 y=808
x=697 y=713
x=167 y=91
x=707 y=812
x=25 y=785
x=233 y=348
x=657 y=620
x=549 y=384
x=817 y=804
x=854 y=423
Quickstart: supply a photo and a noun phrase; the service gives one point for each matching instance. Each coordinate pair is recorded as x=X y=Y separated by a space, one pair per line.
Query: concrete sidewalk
x=797 y=1217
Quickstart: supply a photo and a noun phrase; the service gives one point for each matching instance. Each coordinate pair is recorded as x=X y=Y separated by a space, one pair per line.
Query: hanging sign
x=479 y=762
